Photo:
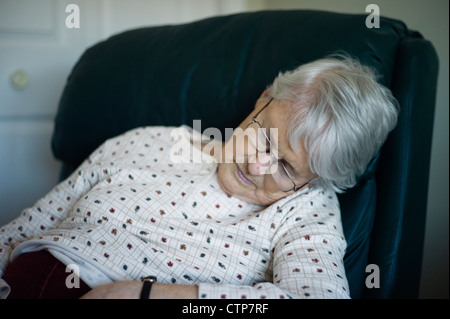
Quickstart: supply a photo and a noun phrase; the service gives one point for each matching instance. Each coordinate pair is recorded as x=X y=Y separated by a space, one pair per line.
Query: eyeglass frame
x=295 y=188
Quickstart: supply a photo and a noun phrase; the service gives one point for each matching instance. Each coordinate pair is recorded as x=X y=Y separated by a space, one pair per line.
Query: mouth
x=242 y=177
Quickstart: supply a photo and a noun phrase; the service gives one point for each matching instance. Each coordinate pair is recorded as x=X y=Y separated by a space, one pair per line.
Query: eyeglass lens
x=259 y=139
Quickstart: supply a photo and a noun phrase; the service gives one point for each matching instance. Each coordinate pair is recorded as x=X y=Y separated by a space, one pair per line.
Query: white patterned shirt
x=129 y=211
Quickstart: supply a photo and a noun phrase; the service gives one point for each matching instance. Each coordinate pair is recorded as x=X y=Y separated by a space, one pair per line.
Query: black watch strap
x=147 y=287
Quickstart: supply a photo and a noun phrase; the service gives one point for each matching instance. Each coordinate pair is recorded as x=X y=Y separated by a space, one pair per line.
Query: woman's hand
x=132 y=290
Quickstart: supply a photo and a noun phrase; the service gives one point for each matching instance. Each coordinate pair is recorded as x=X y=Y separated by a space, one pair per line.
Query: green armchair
x=215 y=69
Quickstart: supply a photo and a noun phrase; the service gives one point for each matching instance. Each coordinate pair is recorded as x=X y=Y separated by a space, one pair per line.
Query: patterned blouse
x=129 y=211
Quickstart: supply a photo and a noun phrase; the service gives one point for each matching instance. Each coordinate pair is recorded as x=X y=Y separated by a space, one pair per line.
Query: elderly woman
x=258 y=219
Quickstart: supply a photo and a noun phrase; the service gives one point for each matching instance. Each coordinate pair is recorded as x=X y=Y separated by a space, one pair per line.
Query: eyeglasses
x=261 y=142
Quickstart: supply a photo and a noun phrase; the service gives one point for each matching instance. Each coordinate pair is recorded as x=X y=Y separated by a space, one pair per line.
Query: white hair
x=341 y=114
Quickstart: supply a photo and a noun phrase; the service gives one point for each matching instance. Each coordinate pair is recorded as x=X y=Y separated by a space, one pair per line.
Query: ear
x=264 y=95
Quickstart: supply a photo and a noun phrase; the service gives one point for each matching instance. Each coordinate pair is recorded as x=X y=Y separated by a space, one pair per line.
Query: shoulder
x=153 y=132
x=314 y=199
x=315 y=210
x=141 y=136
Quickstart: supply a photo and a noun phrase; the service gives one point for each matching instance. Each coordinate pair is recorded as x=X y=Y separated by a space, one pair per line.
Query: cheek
x=269 y=195
x=228 y=152
x=265 y=195
x=236 y=148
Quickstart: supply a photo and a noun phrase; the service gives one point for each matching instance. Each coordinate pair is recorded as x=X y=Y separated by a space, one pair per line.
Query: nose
x=259 y=163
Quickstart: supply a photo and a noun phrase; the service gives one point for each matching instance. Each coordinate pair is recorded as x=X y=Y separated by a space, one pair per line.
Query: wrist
x=171 y=291
x=147 y=287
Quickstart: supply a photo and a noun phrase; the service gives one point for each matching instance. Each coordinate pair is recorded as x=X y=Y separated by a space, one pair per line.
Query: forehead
x=275 y=116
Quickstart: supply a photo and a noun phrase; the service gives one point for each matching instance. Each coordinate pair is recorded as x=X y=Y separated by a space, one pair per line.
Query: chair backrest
x=215 y=69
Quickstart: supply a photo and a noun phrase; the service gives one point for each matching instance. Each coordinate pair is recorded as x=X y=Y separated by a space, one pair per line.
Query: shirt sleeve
x=49 y=211
x=308 y=251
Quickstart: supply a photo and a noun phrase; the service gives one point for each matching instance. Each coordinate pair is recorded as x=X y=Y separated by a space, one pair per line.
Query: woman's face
x=244 y=173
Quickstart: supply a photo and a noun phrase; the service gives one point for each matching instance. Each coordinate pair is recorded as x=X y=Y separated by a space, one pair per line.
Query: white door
x=37 y=51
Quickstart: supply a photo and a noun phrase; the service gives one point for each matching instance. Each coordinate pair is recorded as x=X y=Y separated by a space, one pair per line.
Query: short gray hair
x=340 y=112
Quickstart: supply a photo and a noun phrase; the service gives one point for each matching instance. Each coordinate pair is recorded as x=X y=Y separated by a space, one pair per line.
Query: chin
x=226 y=177
x=227 y=181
